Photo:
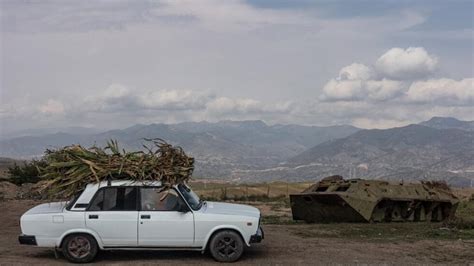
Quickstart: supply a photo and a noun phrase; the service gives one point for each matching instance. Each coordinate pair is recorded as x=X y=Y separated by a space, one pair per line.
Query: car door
x=162 y=221
x=113 y=214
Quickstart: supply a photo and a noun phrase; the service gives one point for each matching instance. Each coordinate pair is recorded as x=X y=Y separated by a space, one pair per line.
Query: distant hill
x=365 y=145
x=440 y=148
x=218 y=147
x=45 y=131
x=411 y=152
x=448 y=122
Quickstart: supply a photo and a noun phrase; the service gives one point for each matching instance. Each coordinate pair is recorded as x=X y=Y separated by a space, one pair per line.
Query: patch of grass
x=466 y=210
x=279 y=205
x=464 y=218
x=277 y=219
x=246 y=192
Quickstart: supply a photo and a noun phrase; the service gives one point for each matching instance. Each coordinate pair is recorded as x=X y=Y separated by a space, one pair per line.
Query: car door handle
x=145 y=216
x=93 y=216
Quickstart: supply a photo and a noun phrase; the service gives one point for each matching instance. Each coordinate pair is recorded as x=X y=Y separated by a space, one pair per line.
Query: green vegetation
x=464 y=219
x=5 y=164
x=26 y=173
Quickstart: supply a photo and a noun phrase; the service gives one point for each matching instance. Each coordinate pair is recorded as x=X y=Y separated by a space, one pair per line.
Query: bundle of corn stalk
x=69 y=169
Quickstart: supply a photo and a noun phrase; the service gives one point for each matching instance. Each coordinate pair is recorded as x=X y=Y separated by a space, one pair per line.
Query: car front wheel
x=79 y=248
x=226 y=246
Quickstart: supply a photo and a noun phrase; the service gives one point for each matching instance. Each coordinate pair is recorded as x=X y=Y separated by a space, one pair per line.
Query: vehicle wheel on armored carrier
x=414 y=211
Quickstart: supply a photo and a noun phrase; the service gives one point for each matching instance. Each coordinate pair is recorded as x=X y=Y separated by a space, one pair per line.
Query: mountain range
x=440 y=148
x=218 y=147
x=411 y=152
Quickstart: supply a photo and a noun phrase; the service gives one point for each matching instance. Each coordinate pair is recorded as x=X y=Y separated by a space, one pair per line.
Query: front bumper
x=258 y=237
x=27 y=240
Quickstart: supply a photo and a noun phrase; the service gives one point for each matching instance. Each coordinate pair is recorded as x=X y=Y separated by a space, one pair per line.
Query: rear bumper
x=258 y=237
x=27 y=240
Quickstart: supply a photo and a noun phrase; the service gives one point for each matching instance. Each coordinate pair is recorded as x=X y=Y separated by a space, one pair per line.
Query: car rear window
x=115 y=199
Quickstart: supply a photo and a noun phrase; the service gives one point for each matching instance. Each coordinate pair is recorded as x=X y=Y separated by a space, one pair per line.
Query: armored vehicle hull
x=334 y=199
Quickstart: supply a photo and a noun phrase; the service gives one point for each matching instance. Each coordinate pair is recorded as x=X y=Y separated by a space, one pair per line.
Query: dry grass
x=246 y=192
x=464 y=193
x=69 y=169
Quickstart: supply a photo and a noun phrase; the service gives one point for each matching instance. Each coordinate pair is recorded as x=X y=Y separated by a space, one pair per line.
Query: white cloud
x=229 y=15
x=413 y=62
x=175 y=99
x=120 y=98
x=385 y=89
x=343 y=90
x=398 y=75
x=178 y=105
x=52 y=107
x=357 y=82
x=396 y=93
x=31 y=16
x=225 y=105
x=116 y=91
x=358 y=90
x=117 y=15
x=356 y=71
x=442 y=91
x=228 y=105
x=263 y=61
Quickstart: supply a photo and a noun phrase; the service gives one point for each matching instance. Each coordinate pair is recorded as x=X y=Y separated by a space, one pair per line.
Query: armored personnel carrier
x=334 y=199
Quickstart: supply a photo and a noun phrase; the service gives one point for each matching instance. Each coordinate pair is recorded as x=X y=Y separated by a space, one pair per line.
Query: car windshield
x=193 y=200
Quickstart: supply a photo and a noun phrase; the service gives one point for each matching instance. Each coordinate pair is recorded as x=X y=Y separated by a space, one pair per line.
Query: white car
x=141 y=215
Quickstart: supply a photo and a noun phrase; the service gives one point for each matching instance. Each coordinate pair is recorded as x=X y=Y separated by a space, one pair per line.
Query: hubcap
x=226 y=247
x=79 y=247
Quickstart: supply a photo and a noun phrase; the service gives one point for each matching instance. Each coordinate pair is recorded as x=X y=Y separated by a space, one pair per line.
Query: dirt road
x=281 y=246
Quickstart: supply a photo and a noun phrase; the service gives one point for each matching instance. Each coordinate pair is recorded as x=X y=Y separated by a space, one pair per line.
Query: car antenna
x=109 y=181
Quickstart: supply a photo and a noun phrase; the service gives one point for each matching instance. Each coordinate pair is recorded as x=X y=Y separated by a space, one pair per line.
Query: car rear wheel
x=79 y=248
x=226 y=246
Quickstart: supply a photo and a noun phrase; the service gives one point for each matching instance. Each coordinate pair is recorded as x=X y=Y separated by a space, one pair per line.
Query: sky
x=112 y=64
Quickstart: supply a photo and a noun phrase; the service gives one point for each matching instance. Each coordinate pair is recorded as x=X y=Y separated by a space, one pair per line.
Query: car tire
x=79 y=248
x=226 y=246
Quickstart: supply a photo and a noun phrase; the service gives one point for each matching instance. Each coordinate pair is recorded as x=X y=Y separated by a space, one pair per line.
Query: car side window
x=115 y=199
x=98 y=201
x=160 y=199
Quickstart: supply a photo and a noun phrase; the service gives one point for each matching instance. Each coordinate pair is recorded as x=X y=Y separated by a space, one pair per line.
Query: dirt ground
x=281 y=246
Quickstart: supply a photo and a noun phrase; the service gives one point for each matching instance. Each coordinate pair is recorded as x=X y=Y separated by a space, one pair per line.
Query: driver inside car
x=156 y=200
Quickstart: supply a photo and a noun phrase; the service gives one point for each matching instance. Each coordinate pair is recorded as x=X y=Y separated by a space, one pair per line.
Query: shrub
x=26 y=173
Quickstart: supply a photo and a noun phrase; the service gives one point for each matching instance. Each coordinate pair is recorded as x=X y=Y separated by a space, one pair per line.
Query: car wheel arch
x=80 y=232
x=220 y=229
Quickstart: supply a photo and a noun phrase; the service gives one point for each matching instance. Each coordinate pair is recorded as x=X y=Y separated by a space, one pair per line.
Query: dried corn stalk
x=69 y=169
